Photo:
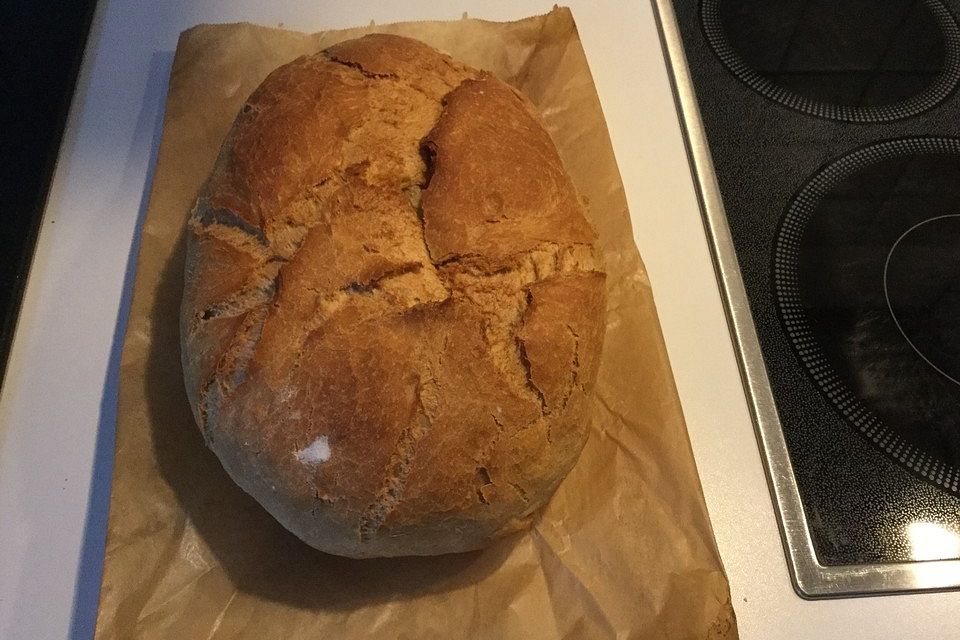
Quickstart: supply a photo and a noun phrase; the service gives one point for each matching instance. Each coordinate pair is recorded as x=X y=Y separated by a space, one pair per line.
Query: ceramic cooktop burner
x=921 y=281
x=851 y=60
x=867 y=281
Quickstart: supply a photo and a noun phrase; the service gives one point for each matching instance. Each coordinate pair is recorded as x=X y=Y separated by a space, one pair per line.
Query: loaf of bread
x=393 y=307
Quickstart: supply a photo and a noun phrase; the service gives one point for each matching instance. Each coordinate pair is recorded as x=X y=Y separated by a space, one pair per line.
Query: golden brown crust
x=497 y=187
x=393 y=310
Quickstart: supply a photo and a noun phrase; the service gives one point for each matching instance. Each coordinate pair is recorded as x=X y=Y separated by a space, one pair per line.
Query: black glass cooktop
x=834 y=132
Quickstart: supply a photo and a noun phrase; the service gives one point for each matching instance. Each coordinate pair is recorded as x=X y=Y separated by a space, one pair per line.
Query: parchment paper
x=624 y=549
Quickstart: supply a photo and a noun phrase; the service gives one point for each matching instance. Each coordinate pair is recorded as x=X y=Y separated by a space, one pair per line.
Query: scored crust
x=393 y=309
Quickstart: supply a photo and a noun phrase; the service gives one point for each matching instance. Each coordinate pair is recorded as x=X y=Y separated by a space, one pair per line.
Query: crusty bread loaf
x=393 y=309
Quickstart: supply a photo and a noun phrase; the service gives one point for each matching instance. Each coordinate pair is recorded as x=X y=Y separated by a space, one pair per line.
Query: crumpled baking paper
x=623 y=550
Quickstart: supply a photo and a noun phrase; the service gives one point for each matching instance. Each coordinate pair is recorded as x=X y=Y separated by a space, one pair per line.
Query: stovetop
x=826 y=139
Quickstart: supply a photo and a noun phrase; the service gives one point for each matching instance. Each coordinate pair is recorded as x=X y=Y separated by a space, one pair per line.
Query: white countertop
x=57 y=406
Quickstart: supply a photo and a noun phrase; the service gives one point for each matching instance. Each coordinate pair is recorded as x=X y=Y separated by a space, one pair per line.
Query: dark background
x=41 y=47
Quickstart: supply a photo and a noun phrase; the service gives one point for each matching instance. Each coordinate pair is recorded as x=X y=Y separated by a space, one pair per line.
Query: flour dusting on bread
x=318 y=451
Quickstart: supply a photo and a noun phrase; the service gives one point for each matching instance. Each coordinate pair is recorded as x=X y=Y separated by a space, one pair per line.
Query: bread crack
x=325 y=498
x=525 y=363
x=574 y=369
x=463 y=259
x=328 y=303
x=375 y=283
x=500 y=289
x=395 y=474
x=372 y=75
x=484 y=480
x=415 y=195
x=259 y=290
x=359 y=67
x=206 y=216
x=539 y=262
x=428 y=153
x=520 y=492
x=231 y=369
x=484 y=475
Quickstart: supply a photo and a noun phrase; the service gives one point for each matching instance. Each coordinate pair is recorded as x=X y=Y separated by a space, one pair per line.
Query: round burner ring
x=886 y=293
x=794 y=320
x=933 y=95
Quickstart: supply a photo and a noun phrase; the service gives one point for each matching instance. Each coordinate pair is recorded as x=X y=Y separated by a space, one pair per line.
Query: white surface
x=61 y=383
